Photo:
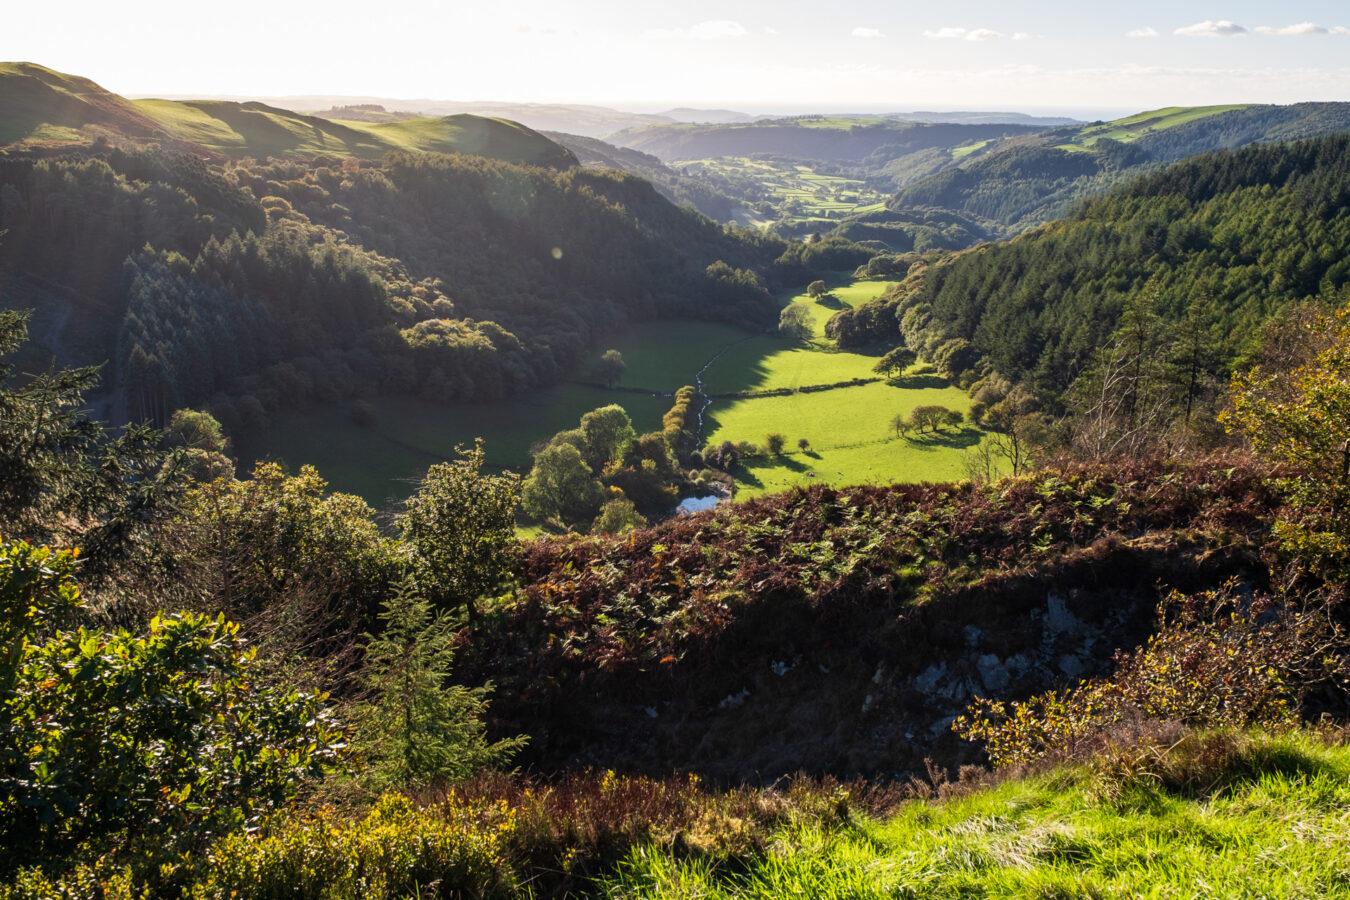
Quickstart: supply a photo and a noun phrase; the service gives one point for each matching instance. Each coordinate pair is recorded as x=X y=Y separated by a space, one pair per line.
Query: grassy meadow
x=385 y=460
x=847 y=426
x=1273 y=828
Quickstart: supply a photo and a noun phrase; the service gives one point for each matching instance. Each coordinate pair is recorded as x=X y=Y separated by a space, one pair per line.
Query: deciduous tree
x=459 y=525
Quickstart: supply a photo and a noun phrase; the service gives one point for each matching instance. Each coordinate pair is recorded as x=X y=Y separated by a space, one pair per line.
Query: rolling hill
x=45 y=108
x=838 y=139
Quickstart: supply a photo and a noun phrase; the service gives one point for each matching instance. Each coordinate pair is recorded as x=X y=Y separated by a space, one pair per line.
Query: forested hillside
x=1214 y=247
x=1026 y=182
x=675 y=187
x=252 y=284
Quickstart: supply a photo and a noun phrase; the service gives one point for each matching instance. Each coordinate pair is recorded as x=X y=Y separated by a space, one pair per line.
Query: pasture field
x=1132 y=127
x=665 y=356
x=851 y=441
x=964 y=151
x=848 y=427
x=767 y=362
x=387 y=459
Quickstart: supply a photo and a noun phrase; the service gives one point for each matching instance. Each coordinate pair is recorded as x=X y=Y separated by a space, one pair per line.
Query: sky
x=750 y=55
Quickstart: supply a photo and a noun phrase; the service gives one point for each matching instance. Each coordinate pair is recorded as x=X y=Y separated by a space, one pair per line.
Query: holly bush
x=124 y=741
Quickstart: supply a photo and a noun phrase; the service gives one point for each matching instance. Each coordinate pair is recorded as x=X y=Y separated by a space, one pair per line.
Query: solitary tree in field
x=774 y=442
x=895 y=361
x=900 y=424
x=816 y=289
x=612 y=367
x=803 y=444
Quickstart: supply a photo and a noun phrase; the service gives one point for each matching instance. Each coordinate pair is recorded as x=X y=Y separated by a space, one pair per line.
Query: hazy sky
x=743 y=54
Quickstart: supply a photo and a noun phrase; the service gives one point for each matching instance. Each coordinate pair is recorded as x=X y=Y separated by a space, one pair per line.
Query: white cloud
x=1021 y=36
x=769 y=29
x=716 y=29
x=1142 y=33
x=1302 y=28
x=951 y=33
x=867 y=33
x=1207 y=28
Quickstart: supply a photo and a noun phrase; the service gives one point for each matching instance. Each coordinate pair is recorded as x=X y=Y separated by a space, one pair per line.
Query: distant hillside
x=575 y=118
x=675 y=187
x=964 y=117
x=1027 y=181
x=42 y=107
x=711 y=116
x=840 y=139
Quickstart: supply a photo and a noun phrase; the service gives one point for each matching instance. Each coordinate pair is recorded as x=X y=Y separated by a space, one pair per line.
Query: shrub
x=397 y=850
x=1216 y=660
x=154 y=740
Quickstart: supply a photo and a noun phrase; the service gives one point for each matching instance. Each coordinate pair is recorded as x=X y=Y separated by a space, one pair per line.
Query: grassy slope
x=40 y=105
x=256 y=130
x=1275 y=830
x=1133 y=127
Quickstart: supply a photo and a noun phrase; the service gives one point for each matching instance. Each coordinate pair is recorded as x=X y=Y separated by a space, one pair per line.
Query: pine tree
x=419 y=729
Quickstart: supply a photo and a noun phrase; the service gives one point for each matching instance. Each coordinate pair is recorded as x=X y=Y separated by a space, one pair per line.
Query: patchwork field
x=792 y=189
x=847 y=426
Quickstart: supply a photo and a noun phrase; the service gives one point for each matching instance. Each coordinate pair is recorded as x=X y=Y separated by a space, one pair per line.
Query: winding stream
x=698 y=385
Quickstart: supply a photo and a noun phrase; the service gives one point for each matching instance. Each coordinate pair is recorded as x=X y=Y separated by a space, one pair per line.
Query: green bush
x=154 y=741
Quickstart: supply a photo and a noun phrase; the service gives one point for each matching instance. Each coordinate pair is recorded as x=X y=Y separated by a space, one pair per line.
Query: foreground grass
x=1268 y=821
x=1274 y=830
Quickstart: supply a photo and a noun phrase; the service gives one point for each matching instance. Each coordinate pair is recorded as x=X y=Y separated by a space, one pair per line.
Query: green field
x=848 y=427
x=409 y=435
x=794 y=190
x=850 y=436
x=665 y=356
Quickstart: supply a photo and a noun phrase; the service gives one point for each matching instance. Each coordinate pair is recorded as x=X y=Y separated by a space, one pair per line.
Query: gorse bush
x=396 y=850
x=1216 y=660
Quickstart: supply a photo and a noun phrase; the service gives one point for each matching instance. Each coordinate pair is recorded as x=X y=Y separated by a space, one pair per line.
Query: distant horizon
x=657 y=107
x=742 y=54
